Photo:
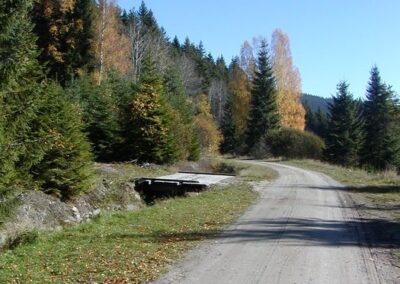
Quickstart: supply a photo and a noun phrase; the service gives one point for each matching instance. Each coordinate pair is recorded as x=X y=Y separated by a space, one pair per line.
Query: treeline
x=362 y=133
x=271 y=121
x=84 y=81
x=354 y=133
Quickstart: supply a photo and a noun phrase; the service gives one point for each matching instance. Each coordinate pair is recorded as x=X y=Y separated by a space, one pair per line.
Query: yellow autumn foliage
x=240 y=88
x=112 y=47
x=288 y=83
x=209 y=135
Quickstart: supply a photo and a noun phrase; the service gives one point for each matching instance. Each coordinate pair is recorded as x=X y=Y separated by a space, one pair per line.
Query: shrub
x=295 y=144
x=261 y=149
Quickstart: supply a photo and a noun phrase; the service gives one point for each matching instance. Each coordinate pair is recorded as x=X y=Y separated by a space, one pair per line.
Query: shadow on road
x=303 y=232
x=363 y=189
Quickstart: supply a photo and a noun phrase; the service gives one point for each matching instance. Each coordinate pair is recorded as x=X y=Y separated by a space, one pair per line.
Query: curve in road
x=302 y=230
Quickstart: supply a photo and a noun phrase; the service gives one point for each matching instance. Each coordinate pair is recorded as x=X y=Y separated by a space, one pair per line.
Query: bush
x=295 y=144
x=261 y=149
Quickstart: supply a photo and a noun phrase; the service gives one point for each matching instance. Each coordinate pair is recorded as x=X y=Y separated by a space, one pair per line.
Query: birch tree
x=112 y=46
x=247 y=61
x=288 y=82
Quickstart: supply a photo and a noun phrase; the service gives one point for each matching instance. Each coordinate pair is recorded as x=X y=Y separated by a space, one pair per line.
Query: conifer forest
x=85 y=81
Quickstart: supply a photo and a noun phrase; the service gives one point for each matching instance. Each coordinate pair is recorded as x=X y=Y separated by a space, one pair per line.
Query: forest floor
x=129 y=246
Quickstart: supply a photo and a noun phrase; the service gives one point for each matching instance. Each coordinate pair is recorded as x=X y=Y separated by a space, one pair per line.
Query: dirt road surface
x=303 y=229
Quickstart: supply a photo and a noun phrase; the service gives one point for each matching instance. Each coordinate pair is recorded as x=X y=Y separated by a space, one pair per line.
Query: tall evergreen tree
x=316 y=122
x=182 y=109
x=345 y=135
x=65 y=167
x=99 y=115
x=19 y=94
x=147 y=18
x=228 y=129
x=382 y=144
x=263 y=115
x=176 y=47
x=148 y=133
x=33 y=118
x=309 y=118
x=321 y=123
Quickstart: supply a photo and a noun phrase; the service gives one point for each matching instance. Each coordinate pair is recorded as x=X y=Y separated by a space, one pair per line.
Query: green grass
x=381 y=187
x=249 y=172
x=116 y=177
x=7 y=208
x=134 y=247
x=256 y=173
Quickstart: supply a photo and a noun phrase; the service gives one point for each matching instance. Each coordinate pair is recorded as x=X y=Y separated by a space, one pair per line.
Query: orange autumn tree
x=112 y=46
x=288 y=82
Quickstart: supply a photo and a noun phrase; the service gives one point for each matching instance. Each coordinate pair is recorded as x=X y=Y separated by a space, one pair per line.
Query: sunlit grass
x=380 y=187
x=250 y=172
x=129 y=246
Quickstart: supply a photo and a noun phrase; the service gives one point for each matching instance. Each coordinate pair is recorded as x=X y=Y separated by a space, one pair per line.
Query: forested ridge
x=84 y=81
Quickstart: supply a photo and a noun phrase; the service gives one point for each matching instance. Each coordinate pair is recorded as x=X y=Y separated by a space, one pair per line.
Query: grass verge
x=8 y=205
x=125 y=247
x=380 y=203
x=381 y=187
x=247 y=172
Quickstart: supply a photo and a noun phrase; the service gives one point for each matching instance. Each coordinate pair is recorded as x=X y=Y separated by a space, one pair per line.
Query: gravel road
x=302 y=230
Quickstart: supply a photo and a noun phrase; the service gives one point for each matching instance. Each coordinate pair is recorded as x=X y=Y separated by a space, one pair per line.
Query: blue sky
x=331 y=40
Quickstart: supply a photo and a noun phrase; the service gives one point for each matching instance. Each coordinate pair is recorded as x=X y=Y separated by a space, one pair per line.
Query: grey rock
x=131 y=207
x=96 y=212
x=3 y=239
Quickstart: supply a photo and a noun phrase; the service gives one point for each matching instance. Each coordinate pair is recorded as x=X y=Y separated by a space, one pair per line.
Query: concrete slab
x=201 y=178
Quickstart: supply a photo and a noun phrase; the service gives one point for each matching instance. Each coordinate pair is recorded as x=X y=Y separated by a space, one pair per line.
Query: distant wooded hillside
x=315 y=102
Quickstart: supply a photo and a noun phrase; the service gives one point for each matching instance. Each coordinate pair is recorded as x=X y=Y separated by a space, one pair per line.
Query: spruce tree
x=182 y=109
x=263 y=115
x=176 y=46
x=345 y=136
x=19 y=95
x=148 y=129
x=33 y=120
x=65 y=167
x=100 y=115
x=228 y=129
x=310 y=118
x=381 y=147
